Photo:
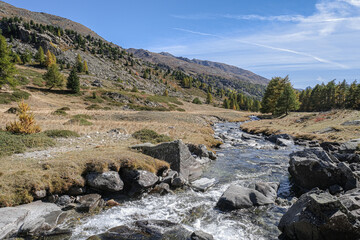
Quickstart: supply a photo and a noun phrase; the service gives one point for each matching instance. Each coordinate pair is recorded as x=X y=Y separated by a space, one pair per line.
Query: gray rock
x=30 y=219
x=351 y=123
x=284 y=142
x=178 y=155
x=200 y=235
x=169 y=176
x=237 y=197
x=107 y=181
x=319 y=215
x=246 y=136
x=200 y=150
x=273 y=138
x=315 y=168
x=178 y=182
x=203 y=184
x=76 y=190
x=212 y=155
x=88 y=202
x=335 y=189
x=138 y=181
x=64 y=200
x=268 y=189
x=10 y=221
x=327 y=130
x=162 y=189
x=350 y=146
x=40 y=194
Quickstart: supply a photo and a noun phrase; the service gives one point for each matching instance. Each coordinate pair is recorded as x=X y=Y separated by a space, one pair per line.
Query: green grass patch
x=197 y=101
x=17 y=95
x=80 y=122
x=39 y=82
x=56 y=133
x=93 y=107
x=59 y=112
x=164 y=99
x=146 y=108
x=147 y=135
x=18 y=143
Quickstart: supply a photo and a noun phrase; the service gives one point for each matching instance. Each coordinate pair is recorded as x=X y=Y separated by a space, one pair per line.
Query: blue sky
x=309 y=40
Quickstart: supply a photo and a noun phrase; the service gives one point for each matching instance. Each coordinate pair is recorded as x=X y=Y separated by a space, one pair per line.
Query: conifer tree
x=287 y=100
x=40 y=56
x=86 y=69
x=226 y=103
x=166 y=93
x=79 y=64
x=53 y=77
x=209 y=98
x=50 y=59
x=272 y=93
x=73 y=82
x=7 y=68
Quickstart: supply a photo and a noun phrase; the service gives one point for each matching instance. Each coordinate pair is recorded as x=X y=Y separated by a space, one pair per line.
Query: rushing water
x=239 y=162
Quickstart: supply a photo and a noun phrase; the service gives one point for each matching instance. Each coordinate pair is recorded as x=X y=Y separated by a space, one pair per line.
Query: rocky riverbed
x=246 y=193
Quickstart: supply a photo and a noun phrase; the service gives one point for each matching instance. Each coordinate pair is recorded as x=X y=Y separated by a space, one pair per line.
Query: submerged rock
x=88 y=202
x=269 y=190
x=319 y=215
x=106 y=181
x=200 y=235
x=238 y=197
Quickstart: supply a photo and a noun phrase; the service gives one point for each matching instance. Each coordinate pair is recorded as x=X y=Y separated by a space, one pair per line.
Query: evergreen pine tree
x=7 y=68
x=272 y=93
x=73 y=82
x=53 y=77
x=287 y=100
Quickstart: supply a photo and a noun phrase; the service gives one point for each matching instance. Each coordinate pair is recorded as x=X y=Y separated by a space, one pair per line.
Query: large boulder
x=268 y=189
x=138 y=181
x=312 y=168
x=203 y=184
x=319 y=215
x=106 y=181
x=238 y=197
x=178 y=155
x=146 y=230
x=33 y=219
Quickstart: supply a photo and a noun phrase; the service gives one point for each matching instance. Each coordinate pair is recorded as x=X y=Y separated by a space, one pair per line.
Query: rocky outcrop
x=319 y=215
x=33 y=219
x=312 y=168
x=106 y=181
x=178 y=155
x=238 y=197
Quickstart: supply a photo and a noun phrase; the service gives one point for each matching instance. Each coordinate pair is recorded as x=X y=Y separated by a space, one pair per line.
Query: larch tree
x=79 y=64
x=7 y=68
x=86 y=69
x=287 y=101
x=209 y=98
x=53 y=77
x=40 y=56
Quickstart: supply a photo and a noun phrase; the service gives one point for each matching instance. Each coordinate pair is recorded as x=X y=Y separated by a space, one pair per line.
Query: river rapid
x=240 y=161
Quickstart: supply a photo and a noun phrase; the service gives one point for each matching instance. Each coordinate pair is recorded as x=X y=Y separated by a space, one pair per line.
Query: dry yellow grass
x=307 y=125
x=21 y=175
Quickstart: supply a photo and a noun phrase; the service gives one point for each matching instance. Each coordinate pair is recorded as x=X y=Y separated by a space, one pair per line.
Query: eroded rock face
x=319 y=215
x=316 y=168
x=238 y=197
x=107 y=181
x=178 y=155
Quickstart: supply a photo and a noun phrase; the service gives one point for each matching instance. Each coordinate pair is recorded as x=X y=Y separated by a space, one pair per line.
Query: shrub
x=59 y=112
x=61 y=133
x=20 y=95
x=93 y=107
x=147 y=135
x=147 y=108
x=26 y=123
x=79 y=121
x=65 y=108
x=196 y=101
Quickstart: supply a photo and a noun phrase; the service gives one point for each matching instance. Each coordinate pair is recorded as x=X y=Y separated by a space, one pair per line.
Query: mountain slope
x=7 y=10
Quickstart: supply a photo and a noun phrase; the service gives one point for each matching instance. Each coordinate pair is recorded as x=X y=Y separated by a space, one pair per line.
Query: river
x=241 y=162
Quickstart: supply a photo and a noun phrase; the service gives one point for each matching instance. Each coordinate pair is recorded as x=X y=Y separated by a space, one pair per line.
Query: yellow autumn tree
x=50 y=59
x=26 y=123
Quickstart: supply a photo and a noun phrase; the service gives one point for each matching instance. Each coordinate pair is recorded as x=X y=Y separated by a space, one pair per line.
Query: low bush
x=147 y=135
x=196 y=101
x=93 y=107
x=26 y=123
x=80 y=119
x=16 y=96
x=59 y=112
x=56 y=133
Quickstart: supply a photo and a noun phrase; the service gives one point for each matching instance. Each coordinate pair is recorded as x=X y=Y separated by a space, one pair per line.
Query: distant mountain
x=7 y=10
x=196 y=66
